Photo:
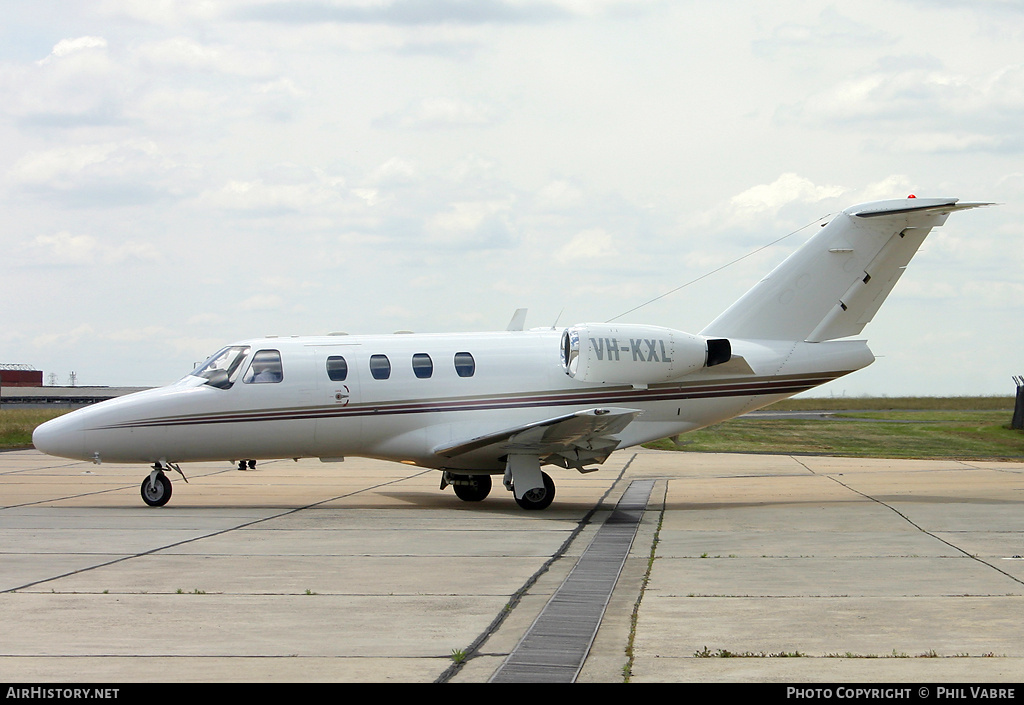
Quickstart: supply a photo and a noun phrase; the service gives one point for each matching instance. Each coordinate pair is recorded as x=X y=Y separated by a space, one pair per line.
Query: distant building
x=20 y=376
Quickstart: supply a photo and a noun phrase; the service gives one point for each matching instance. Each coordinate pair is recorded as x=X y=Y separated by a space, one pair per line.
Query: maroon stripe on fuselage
x=763 y=386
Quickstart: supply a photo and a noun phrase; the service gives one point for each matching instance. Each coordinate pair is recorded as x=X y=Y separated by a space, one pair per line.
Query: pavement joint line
x=474 y=648
x=645 y=581
x=209 y=535
x=924 y=530
x=556 y=645
x=97 y=492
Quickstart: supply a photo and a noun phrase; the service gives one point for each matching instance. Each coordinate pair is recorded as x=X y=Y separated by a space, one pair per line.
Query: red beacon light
x=911 y=196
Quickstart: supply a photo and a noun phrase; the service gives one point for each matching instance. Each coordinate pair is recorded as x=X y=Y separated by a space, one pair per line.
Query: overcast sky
x=176 y=175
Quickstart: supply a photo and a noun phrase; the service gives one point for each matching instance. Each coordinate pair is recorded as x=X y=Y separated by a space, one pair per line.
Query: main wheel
x=538 y=498
x=479 y=488
x=156 y=493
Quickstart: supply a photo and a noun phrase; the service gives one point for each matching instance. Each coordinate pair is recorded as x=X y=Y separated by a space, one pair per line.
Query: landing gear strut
x=532 y=488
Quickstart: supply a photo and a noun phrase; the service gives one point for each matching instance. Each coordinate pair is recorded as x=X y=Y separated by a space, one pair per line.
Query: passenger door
x=339 y=418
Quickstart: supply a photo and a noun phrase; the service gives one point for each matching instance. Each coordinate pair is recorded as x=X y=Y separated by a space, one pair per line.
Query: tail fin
x=832 y=286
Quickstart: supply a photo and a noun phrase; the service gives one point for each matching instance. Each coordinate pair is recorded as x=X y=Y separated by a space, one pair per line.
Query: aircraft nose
x=62 y=436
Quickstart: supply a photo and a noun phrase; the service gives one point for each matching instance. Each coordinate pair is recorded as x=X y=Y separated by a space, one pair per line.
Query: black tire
x=475 y=492
x=539 y=498
x=157 y=494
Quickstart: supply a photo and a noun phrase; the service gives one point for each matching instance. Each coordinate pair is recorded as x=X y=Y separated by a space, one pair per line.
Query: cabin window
x=380 y=366
x=337 y=368
x=465 y=365
x=222 y=368
x=265 y=368
x=422 y=365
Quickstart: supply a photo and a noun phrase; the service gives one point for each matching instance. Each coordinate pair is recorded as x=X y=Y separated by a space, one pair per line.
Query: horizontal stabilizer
x=919 y=205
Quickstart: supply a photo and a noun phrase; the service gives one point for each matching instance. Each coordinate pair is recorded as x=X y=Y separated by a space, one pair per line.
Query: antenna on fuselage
x=718 y=269
x=555 y=324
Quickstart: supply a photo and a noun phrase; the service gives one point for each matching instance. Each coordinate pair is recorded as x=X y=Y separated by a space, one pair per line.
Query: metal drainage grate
x=555 y=646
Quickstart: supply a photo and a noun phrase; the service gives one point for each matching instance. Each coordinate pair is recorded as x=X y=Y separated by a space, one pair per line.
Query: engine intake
x=635 y=354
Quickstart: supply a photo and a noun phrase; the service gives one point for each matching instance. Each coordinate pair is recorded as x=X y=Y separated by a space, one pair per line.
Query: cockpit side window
x=265 y=368
x=221 y=369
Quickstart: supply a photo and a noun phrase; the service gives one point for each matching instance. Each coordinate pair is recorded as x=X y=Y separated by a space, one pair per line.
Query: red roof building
x=20 y=376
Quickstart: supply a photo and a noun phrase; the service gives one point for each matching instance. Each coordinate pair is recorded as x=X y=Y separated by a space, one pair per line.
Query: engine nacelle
x=631 y=354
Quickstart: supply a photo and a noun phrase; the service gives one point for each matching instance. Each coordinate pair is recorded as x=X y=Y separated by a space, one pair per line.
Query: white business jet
x=473 y=405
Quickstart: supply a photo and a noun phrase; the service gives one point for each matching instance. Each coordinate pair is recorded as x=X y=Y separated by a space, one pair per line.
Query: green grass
x=957 y=427
x=895 y=403
x=16 y=425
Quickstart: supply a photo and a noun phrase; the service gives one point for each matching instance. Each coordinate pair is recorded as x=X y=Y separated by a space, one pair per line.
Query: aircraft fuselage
x=396 y=411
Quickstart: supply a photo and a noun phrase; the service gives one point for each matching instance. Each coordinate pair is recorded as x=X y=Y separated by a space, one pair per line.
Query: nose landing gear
x=156 y=489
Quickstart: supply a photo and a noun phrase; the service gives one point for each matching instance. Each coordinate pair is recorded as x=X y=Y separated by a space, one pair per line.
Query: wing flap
x=591 y=429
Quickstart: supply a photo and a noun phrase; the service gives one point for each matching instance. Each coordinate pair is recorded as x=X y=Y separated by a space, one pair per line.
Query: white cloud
x=187 y=54
x=913 y=105
x=144 y=334
x=829 y=29
x=443 y=112
x=895 y=186
x=58 y=167
x=560 y=195
x=788 y=188
x=409 y=155
x=118 y=172
x=760 y=205
x=594 y=244
x=394 y=172
x=67 y=248
x=168 y=13
x=70 y=46
x=64 y=248
x=473 y=224
x=259 y=197
x=262 y=302
x=76 y=335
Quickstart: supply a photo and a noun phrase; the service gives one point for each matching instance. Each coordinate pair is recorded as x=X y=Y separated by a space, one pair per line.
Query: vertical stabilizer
x=832 y=286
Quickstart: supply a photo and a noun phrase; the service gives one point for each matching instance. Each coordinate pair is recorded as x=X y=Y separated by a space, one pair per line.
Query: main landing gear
x=156 y=489
x=474 y=488
x=532 y=488
x=538 y=497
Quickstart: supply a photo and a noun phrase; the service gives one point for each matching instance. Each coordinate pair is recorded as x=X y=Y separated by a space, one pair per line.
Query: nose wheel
x=156 y=489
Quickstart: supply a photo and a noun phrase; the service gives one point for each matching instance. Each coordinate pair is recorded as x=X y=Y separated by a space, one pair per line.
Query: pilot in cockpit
x=265 y=368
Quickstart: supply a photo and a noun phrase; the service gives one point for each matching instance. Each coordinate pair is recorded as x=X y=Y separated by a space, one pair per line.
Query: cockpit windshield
x=222 y=368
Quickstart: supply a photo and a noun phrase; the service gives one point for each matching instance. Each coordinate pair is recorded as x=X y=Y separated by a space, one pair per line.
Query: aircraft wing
x=582 y=436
